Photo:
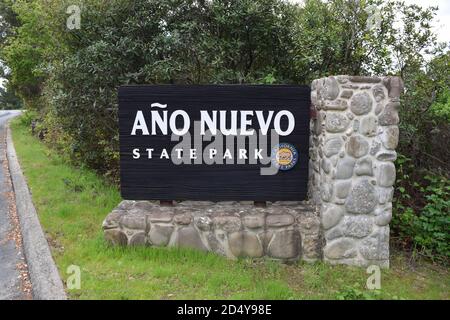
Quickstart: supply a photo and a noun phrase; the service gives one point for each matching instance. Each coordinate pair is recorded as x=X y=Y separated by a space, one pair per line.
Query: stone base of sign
x=286 y=231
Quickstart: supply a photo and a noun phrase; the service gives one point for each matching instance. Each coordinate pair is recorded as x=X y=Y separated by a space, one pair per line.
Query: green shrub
x=432 y=225
x=421 y=217
x=27 y=118
x=355 y=293
x=425 y=114
x=441 y=108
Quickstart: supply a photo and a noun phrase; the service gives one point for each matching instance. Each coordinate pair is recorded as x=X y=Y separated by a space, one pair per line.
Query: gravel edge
x=45 y=279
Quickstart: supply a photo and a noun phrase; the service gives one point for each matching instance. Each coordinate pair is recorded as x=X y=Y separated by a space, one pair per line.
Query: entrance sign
x=216 y=143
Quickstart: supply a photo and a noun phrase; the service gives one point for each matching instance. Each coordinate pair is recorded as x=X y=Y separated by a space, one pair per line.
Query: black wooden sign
x=214 y=142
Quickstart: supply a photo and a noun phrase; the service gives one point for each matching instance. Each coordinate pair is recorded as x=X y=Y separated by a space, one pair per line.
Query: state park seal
x=284 y=156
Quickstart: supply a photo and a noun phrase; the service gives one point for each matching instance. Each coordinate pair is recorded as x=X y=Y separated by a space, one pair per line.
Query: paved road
x=12 y=262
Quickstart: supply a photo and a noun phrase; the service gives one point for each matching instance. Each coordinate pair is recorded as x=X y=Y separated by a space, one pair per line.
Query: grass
x=72 y=203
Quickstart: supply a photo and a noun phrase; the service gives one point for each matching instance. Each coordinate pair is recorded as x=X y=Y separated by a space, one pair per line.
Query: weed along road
x=14 y=282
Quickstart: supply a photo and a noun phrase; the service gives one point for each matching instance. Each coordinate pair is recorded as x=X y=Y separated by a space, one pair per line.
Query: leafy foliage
x=424 y=127
x=8 y=100
x=421 y=210
x=355 y=293
x=27 y=118
x=441 y=108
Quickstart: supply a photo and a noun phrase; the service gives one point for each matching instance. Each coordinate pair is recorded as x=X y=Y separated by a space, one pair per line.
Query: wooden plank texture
x=161 y=179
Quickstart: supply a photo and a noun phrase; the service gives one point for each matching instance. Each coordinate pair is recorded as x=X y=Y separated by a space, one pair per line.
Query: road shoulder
x=47 y=284
x=14 y=277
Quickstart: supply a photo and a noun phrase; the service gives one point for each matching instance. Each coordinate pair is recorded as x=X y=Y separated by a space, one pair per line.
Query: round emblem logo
x=284 y=156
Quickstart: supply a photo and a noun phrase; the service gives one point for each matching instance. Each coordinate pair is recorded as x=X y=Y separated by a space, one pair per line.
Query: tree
x=8 y=20
x=8 y=23
x=8 y=100
x=425 y=125
x=372 y=37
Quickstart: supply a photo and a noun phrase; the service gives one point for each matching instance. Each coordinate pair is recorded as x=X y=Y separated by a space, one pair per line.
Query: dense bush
x=421 y=210
x=425 y=125
x=27 y=118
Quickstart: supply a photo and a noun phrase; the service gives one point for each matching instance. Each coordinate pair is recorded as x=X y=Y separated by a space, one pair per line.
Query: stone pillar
x=354 y=134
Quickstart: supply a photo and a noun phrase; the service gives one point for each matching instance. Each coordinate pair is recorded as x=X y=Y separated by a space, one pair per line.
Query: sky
x=442 y=21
